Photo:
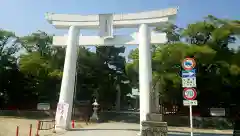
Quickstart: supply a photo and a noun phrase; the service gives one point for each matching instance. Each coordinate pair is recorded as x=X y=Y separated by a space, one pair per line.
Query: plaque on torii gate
x=105 y=23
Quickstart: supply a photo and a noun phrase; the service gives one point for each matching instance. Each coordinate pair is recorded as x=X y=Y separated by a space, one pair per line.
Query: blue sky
x=26 y=16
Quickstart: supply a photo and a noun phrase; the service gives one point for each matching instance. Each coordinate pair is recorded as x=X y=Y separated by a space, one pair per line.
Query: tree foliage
x=209 y=42
x=35 y=75
x=31 y=69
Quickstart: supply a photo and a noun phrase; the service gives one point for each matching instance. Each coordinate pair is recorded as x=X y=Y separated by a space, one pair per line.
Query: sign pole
x=189 y=83
x=191 y=120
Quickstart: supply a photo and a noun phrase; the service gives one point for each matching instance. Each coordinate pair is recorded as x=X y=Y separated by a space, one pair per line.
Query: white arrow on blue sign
x=188 y=73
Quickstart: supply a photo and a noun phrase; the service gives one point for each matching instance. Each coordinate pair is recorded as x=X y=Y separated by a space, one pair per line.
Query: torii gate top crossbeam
x=131 y=20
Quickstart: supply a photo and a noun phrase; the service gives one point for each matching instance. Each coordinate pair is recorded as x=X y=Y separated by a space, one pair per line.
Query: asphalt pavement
x=123 y=129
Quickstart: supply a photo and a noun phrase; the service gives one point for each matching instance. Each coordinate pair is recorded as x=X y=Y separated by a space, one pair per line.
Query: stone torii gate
x=105 y=23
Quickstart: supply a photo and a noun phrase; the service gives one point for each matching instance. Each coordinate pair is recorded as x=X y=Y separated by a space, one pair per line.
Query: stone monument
x=105 y=23
x=94 y=116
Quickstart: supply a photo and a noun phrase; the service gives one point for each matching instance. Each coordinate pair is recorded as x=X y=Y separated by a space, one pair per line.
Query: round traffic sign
x=188 y=63
x=189 y=93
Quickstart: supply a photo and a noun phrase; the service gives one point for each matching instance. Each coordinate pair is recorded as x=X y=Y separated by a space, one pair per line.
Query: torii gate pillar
x=145 y=71
x=68 y=79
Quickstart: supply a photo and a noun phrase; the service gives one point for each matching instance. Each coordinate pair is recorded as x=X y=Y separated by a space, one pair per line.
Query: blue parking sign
x=188 y=73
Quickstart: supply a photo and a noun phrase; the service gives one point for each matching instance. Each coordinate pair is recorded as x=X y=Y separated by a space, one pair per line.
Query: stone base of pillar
x=154 y=126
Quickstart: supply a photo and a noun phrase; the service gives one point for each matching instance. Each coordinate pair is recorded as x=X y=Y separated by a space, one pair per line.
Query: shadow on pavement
x=119 y=117
x=170 y=133
x=172 y=120
x=82 y=129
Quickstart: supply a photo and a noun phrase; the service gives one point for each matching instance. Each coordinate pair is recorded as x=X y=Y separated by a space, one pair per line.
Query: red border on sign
x=194 y=63
x=194 y=92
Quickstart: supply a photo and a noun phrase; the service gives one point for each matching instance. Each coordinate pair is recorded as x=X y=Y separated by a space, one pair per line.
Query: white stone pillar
x=68 y=78
x=145 y=71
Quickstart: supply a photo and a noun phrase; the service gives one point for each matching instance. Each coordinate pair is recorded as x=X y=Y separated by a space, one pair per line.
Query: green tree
x=208 y=42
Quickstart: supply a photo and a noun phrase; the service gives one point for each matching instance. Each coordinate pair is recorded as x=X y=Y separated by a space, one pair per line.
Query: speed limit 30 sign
x=189 y=93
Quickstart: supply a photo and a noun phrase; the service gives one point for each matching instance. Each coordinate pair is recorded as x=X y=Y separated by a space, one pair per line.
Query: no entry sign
x=189 y=93
x=188 y=63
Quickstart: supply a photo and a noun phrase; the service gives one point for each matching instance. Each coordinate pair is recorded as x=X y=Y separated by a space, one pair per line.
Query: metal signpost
x=188 y=83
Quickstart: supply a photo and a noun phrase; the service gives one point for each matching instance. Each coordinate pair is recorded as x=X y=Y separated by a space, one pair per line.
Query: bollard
x=17 y=131
x=38 y=127
x=30 y=130
x=73 y=125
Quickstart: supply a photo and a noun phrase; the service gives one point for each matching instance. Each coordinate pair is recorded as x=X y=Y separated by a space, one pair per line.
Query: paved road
x=121 y=129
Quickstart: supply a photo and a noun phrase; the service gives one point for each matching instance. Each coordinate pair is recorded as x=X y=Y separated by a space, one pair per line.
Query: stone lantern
x=95 y=109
